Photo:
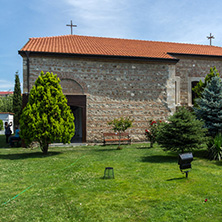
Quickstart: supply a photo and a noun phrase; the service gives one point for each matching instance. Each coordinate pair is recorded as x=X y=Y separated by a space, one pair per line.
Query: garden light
x=108 y=173
x=184 y=161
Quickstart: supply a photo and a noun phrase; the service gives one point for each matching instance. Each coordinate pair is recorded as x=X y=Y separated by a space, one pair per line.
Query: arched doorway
x=77 y=104
x=77 y=101
x=77 y=112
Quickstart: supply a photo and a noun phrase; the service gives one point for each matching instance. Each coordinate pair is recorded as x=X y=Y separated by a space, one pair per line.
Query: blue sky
x=187 y=21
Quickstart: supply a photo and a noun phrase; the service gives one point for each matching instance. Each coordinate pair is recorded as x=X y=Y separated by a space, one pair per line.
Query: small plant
x=151 y=133
x=215 y=148
x=121 y=125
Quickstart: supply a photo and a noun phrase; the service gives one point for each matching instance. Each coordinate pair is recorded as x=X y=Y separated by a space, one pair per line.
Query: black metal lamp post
x=184 y=161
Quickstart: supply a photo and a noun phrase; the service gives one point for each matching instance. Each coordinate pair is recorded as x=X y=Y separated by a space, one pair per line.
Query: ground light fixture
x=184 y=161
x=108 y=173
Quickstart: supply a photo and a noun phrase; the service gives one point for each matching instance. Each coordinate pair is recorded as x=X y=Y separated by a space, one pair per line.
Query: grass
x=67 y=185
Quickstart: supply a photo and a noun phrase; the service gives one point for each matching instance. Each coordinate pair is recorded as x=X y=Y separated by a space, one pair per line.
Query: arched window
x=177 y=90
x=194 y=95
x=192 y=82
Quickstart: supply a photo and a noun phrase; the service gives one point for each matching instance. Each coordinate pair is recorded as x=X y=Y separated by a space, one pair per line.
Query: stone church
x=106 y=78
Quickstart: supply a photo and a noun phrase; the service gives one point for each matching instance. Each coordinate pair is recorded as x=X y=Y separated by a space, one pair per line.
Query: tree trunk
x=119 y=148
x=44 y=147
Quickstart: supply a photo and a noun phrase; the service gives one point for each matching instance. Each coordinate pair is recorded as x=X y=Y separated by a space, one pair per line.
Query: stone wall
x=193 y=67
x=142 y=91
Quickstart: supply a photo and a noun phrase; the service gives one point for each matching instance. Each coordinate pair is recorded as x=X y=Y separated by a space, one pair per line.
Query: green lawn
x=67 y=185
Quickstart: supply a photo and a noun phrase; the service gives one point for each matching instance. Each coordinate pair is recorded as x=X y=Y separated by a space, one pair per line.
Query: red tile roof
x=5 y=93
x=7 y=113
x=86 y=45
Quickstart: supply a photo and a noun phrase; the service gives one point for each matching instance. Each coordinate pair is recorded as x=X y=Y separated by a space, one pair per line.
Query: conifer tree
x=210 y=106
x=182 y=132
x=17 y=100
x=199 y=88
x=47 y=117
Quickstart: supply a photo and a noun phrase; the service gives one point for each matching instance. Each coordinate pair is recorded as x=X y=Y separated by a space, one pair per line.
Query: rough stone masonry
x=143 y=89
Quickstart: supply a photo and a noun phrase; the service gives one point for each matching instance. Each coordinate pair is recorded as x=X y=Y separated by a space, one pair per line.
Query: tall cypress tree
x=17 y=100
x=210 y=106
x=47 y=117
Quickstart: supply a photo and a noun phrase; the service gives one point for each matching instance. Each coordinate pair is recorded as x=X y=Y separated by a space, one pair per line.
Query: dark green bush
x=182 y=132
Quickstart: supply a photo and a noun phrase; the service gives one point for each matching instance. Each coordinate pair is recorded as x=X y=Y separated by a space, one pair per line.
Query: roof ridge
x=49 y=37
x=115 y=38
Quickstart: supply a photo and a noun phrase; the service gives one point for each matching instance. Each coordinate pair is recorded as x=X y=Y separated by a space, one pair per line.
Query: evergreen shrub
x=210 y=106
x=182 y=132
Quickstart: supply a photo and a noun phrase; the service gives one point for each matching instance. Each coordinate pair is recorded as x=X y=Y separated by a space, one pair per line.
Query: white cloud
x=6 y=85
x=100 y=17
x=159 y=20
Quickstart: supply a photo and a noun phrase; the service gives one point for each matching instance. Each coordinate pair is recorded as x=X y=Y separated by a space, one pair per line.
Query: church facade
x=106 y=78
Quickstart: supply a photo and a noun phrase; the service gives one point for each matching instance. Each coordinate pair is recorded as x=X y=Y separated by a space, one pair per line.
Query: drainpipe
x=27 y=55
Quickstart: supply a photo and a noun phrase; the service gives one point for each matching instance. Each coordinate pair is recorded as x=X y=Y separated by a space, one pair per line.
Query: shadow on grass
x=204 y=154
x=105 y=150
x=218 y=163
x=179 y=178
x=201 y=154
x=18 y=156
x=109 y=147
x=160 y=159
x=144 y=147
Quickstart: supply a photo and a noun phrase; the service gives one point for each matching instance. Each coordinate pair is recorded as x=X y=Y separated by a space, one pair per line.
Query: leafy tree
x=121 y=125
x=199 y=88
x=210 y=106
x=47 y=117
x=182 y=132
x=6 y=103
x=17 y=100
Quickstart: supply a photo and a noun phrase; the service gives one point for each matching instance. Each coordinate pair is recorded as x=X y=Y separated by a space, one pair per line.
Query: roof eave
x=173 y=54
x=93 y=56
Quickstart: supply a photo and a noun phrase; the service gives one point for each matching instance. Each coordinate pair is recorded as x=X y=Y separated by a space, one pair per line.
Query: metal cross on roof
x=210 y=37
x=71 y=25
